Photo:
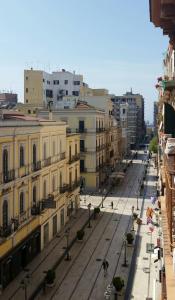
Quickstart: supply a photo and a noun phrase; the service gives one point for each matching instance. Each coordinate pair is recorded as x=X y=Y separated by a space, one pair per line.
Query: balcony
x=5 y=231
x=62 y=155
x=168 y=85
x=63 y=188
x=8 y=176
x=81 y=130
x=47 y=162
x=36 y=166
x=98 y=130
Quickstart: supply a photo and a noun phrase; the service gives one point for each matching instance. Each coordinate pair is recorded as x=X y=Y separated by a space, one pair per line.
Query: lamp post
x=137 y=200
x=89 y=210
x=132 y=210
x=67 y=244
x=124 y=261
x=24 y=283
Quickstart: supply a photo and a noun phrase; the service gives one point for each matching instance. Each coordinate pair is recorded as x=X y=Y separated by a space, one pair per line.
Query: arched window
x=5 y=164
x=34 y=154
x=44 y=189
x=34 y=195
x=5 y=214
x=21 y=204
x=45 y=151
x=21 y=160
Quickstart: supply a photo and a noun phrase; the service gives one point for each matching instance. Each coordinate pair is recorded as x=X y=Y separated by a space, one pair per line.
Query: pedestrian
x=105 y=265
x=112 y=204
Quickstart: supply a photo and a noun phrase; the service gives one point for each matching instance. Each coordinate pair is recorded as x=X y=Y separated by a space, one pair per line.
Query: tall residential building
x=162 y=14
x=39 y=187
x=99 y=146
x=135 y=115
x=42 y=88
x=155 y=117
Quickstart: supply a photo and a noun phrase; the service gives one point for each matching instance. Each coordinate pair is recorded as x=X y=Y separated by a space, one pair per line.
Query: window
x=21 y=160
x=70 y=152
x=26 y=77
x=54 y=148
x=76 y=176
x=34 y=154
x=81 y=126
x=21 y=204
x=44 y=150
x=5 y=163
x=27 y=90
x=81 y=165
x=75 y=149
x=76 y=82
x=26 y=100
x=5 y=214
x=123 y=110
x=43 y=80
x=70 y=178
x=53 y=183
x=54 y=225
x=75 y=93
x=66 y=92
x=29 y=111
x=65 y=81
x=34 y=195
x=61 y=180
x=44 y=189
x=82 y=145
x=49 y=93
x=56 y=82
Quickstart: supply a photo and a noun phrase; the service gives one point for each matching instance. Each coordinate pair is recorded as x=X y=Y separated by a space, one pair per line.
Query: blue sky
x=111 y=42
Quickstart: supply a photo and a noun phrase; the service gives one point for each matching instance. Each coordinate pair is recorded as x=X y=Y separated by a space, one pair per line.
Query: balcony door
x=81 y=126
x=5 y=164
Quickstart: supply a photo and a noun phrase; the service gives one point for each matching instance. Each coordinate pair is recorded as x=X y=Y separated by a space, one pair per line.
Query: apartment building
x=155 y=116
x=89 y=122
x=162 y=15
x=39 y=187
x=42 y=88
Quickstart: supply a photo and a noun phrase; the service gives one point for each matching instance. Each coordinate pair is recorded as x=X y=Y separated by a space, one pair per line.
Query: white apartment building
x=59 y=88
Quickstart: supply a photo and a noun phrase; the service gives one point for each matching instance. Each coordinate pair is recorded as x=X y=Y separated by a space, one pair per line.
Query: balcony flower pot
x=118 y=283
x=50 y=278
x=129 y=238
x=80 y=235
x=159 y=79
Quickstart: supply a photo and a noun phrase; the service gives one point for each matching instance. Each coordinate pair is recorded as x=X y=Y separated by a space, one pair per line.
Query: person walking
x=105 y=265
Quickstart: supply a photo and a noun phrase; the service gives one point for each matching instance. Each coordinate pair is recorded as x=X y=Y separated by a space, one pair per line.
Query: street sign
x=149 y=248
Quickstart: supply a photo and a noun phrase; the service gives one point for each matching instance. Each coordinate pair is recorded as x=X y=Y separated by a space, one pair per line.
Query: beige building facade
x=37 y=192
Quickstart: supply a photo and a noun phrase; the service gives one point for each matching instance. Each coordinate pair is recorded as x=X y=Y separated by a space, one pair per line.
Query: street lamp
x=137 y=200
x=24 y=283
x=132 y=210
x=89 y=210
x=67 y=244
x=124 y=261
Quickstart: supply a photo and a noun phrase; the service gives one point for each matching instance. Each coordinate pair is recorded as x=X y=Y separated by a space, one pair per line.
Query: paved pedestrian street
x=82 y=277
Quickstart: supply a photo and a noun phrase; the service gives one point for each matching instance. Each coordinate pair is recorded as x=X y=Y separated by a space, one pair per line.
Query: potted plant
x=129 y=238
x=118 y=283
x=80 y=235
x=50 y=278
x=96 y=211
x=135 y=216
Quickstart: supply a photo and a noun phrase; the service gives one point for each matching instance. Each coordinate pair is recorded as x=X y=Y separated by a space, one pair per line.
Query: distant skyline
x=111 y=43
